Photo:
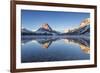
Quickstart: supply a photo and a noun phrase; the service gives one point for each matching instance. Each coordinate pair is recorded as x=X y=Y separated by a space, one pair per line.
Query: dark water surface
x=51 y=48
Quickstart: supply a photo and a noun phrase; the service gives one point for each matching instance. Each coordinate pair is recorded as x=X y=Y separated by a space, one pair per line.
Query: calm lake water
x=51 y=48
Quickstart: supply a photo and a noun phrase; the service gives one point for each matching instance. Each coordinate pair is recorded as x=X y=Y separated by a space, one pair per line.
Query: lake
x=54 y=48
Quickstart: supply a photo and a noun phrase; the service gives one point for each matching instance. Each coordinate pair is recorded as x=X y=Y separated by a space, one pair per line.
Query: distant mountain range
x=24 y=30
x=45 y=29
x=80 y=31
x=83 y=29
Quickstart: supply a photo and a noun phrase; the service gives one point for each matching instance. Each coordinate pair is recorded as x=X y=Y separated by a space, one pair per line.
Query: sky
x=33 y=19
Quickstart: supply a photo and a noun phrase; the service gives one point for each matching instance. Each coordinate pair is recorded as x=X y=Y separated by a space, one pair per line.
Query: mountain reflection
x=46 y=41
x=84 y=43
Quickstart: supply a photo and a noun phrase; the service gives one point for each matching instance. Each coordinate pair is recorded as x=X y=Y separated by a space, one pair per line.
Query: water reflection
x=45 y=42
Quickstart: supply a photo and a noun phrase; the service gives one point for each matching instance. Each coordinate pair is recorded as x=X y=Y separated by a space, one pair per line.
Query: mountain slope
x=46 y=29
x=24 y=30
x=80 y=31
x=83 y=29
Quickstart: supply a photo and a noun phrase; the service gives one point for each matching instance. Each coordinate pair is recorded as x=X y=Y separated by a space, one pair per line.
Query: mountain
x=84 y=23
x=83 y=29
x=46 y=29
x=80 y=31
x=24 y=30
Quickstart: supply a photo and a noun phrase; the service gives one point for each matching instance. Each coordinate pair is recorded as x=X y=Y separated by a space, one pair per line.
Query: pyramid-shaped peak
x=46 y=26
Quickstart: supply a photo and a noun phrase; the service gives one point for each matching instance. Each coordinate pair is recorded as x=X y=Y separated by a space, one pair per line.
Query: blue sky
x=32 y=19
